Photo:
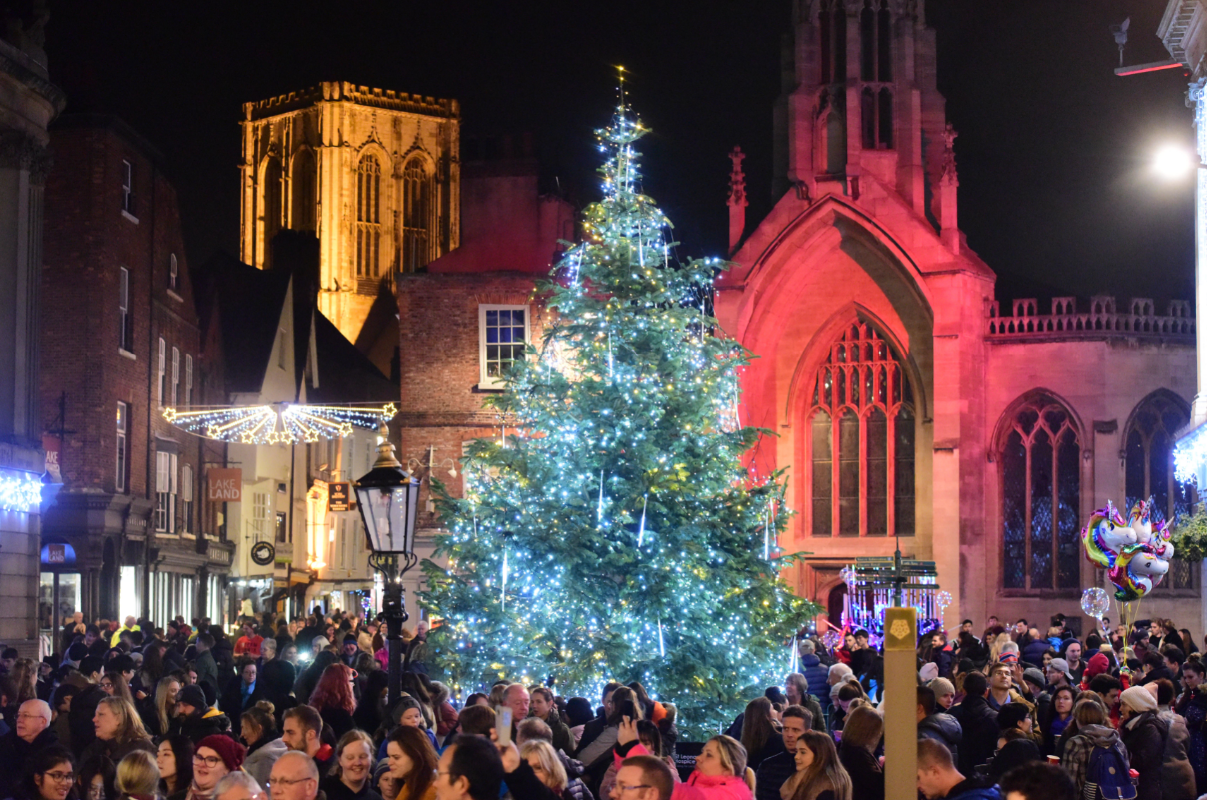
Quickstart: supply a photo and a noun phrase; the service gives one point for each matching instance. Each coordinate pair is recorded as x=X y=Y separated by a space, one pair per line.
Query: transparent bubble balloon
x=943 y=598
x=1095 y=602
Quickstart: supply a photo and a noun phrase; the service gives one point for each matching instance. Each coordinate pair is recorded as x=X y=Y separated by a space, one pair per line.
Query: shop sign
x=339 y=497
x=225 y=485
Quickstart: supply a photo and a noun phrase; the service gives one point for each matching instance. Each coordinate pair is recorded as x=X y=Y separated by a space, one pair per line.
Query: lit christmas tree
x=616 y=534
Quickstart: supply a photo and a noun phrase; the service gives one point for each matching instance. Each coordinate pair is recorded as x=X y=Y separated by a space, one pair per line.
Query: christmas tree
x=614 y=533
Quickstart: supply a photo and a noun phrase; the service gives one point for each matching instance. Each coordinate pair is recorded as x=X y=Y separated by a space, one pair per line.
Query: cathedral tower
x=374 y=173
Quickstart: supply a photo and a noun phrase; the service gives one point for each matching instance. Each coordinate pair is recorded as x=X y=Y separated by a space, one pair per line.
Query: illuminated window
x=1040 y=458
x=861 y=440
x=416 y=216
x=1148 y=472
x=502 y=336
x=165 y=491
x=368 y=218
x=162 y=370
x=186 y=499
x=175 y=376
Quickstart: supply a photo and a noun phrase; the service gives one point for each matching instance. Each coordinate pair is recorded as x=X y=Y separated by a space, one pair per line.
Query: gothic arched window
x=368 y=218
x=861 y=440
x=416 y=216
x=832 y=30
x=303 y=183
x=1040 y=458
x=1148 y=471
x=270 y=208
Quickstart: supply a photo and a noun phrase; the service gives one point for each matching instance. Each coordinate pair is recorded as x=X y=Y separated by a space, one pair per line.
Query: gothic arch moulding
x=1005 y=420
x=1157 y=396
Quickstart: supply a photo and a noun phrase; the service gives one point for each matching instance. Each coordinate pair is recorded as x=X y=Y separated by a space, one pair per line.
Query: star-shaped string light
x=278 y=423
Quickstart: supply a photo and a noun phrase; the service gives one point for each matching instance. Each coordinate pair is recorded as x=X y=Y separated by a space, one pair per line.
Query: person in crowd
x=471 y=768
x=1192 y=706
x=370 y=711
x=276 y=679
x=847 y=693
x=1070 y=651
x=934 y=723
x=978 y=721
x=119 y=731
x=596 y=754
x=258 y=730
x=49 y=775
x=30 y=735
x=816 y=675
x=1035 y=692
x=157 y=711
x=294 y=777
x=542 y=707
x=94 y=779
x=446 y=714
x=175 y=761
x=1144 y=734
x=412 y=763
x=206 y=667
x=1037 y=782
x=796 y=688
x=777 y=769
x=353 y=769
x=216 y=756
x=945 y=694
x=409 y=712
x=1059 y=674
x=819 y=774
x=302 y=731
x=115 y=686
x=578 y=714
x=1060 y=714
x=250 y=643
x=1177 y=776
x=549 y=770
x=860 y=738
x=194 y=716
x=241 y=691
x=334 y=700
x=1016 y=745
x=137 y=776
x=759 y=736
x=1093 y=732
x=938 y=778
x=239 y=786
x=651 y=739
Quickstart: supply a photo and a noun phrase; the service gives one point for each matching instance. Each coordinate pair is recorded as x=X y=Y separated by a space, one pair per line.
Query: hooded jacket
x=945 y=729
x=1076 y=755
x=201 y=724
x=1177 y=776
x=261 y=757
x=979 y=723
x=817 y=676
x=1144 y=736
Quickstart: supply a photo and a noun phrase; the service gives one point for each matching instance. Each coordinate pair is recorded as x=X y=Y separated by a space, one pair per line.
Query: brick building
x=908 y=408
x=122 y=341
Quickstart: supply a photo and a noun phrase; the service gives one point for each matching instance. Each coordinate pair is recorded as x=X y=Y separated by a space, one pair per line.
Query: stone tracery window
x=1040 y=462
x=368 y=218
x=270 y=207
x=861 y=440
x=303 y=185
x=1148 y=472
x=416 y=216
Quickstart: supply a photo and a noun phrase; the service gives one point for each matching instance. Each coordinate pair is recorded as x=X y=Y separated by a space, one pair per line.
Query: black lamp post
x=388 y=497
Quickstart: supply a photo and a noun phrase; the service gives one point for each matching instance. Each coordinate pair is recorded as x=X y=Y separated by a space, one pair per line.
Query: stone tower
x=374 y=173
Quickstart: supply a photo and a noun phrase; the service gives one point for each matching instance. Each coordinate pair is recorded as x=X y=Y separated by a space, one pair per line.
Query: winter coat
x=114 y=751
x=979 y=723
x=261 y=757
x=562 y=739
x=1033 y=653
x=772 y=774
x=200 y=724
x=867 y=777
x=233 y=704
x=817 y=676
x=945 y=729
x=697 y=786
x=207 y=674
x=1144 y=736
x=1076 y=756
x=974 y=789
x=17 y=753
x=335 y=789
x=1013 y=754
x=773 y=746
x=1177 y=776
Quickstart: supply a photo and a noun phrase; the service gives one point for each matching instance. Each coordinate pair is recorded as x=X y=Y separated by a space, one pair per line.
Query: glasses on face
x=61 y=777
x=29 y=716
x=209 y=761
x=283 y=782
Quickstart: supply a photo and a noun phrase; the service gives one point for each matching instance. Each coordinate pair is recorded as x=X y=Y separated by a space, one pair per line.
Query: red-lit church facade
x=908 y=406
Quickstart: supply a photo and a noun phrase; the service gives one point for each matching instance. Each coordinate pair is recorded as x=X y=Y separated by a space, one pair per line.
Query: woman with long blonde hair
x=119 y=731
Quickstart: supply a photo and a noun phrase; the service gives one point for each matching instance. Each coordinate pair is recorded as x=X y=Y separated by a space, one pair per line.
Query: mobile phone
x=503 y=725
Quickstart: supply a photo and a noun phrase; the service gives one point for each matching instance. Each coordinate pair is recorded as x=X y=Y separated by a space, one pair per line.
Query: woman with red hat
x=216 y=757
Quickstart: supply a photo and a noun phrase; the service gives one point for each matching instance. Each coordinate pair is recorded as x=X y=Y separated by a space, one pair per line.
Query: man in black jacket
x=979 y=723
x=939 y=726
x=777 y=769
x=195 y=718
x=595 y=727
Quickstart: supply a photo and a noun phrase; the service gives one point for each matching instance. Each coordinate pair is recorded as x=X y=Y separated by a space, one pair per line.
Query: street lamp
x=1172 y=162
x=387 y=497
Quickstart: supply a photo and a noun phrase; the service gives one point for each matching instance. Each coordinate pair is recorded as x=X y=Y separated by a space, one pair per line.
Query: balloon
x=831 y=639
x=1135 y=551
x=1137 y=570
x=848 y=576
x=1095 y=602
x=943 y=599
x=1105 y=536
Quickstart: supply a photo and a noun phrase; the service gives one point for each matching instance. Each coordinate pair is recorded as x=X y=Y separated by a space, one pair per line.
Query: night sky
x=1056 y=191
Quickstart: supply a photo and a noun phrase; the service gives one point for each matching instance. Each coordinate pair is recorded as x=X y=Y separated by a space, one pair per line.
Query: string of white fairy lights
x=278 y=423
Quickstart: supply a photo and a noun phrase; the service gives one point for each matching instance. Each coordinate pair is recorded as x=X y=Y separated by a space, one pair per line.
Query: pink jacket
x=701 y=787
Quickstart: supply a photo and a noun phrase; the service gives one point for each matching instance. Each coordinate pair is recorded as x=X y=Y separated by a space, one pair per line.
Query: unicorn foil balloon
x=1140 y=520
x=1136 y=571
x=1106 y=535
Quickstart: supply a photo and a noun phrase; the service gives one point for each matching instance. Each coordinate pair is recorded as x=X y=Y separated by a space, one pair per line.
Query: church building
x=911 y=409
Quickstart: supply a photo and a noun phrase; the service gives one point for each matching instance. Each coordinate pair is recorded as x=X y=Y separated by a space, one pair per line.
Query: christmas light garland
x=19 y=491
x=278 y=423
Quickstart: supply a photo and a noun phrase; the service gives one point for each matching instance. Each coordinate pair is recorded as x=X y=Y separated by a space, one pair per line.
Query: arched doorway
x=835 y=602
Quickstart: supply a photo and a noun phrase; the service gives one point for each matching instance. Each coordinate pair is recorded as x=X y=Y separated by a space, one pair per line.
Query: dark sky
x=1055 y=188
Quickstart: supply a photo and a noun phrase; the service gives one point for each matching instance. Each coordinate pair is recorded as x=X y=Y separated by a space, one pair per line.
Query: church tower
x=860 y=99
x=374 y=174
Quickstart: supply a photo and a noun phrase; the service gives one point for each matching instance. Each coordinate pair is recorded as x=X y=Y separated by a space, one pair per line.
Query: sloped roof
x=345 y=374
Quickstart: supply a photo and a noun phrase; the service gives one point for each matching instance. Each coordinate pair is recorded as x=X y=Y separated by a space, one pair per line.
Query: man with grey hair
x=238 y=786
x=816 y=674
x=294 y=777
x=31 y=736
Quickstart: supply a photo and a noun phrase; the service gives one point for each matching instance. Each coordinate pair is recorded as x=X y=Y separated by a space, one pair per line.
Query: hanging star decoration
x=278 y=423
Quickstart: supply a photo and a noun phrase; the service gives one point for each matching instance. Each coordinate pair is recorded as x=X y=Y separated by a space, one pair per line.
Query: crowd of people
x=186 y=712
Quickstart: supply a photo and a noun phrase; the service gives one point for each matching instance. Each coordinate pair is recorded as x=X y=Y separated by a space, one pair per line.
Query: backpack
x=1106 y=776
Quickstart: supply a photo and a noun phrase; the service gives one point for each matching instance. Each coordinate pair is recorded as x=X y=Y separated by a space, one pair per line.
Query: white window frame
x=163 y=369
x=175 y=376
x=188 y=380
x=260 y=516
x=128 y=190
x=123 y=310
x=165 y=491
x=490 y=382
x=186 y=499
x=173 y=272
x=123 y=446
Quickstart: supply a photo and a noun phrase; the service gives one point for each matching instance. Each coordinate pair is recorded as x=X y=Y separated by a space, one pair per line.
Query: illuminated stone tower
x=374 y=173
